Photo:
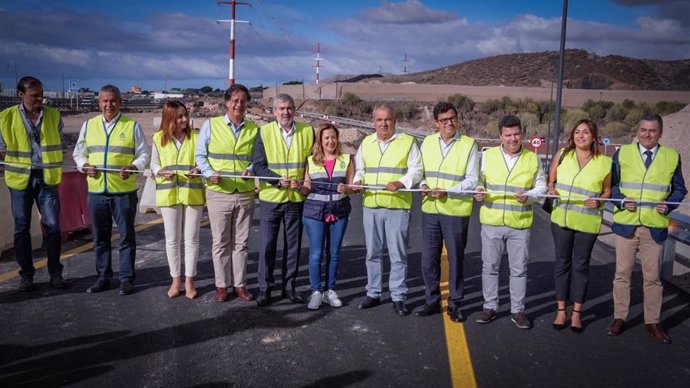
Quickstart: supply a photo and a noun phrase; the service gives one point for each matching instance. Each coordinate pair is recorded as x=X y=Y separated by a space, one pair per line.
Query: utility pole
x=404 y=61
x=232 y=21
x=559 y=88
x=318 y=61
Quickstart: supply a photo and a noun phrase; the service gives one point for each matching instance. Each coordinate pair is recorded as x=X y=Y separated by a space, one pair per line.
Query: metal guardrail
x=366 y=125
x=678 y=233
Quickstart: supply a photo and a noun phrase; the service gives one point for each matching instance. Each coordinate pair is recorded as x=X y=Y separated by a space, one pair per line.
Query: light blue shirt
x=201 y=152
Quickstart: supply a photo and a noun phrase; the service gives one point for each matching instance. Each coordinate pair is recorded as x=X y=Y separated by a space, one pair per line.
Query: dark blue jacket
x=678 y=192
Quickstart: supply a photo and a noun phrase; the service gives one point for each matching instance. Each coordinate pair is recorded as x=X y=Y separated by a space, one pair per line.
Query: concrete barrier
x=7 y=226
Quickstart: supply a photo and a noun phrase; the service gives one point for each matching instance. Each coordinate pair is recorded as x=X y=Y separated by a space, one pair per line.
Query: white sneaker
x=331 y=297
x=315 y=300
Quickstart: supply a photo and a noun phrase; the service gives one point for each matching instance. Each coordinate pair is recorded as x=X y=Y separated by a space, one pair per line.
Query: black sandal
x=576 y=329
x=560 y=326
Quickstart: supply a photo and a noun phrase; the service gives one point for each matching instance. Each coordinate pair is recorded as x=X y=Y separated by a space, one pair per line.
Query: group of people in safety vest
x=304 y=181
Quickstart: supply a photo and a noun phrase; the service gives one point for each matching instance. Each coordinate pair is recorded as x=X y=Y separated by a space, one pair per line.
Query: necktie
x=648 y=159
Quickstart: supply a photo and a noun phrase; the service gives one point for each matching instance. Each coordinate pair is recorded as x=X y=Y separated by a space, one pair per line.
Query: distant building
x=158 y=96
x=135 y=89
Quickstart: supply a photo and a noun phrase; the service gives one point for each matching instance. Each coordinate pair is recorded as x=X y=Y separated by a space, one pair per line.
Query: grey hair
x=383 y=106
x=283 y=97
x=111 y=89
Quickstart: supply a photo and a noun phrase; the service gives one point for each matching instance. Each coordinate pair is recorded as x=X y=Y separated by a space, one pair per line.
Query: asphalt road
x=70 y=338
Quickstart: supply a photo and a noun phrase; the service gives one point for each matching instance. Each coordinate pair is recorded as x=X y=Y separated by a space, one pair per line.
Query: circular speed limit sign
x=535 y=141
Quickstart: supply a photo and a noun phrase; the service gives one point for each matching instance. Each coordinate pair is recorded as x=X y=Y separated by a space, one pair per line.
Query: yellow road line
x=461 y=371
x=42 y=262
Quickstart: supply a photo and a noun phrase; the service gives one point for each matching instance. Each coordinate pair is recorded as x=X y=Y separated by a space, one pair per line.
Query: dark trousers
x=272 y=216
x=122 y=208
x=48 y=202
x=437 y=228
x=571 y=270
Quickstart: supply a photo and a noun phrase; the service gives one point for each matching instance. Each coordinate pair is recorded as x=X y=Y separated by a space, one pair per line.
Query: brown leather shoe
x=221 y=294
x=616 y=327
x=655 y=331
x=243 y=294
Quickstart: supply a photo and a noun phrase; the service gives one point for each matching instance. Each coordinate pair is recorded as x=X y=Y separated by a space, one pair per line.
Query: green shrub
x=529 y=120
x=570 y=117
x=350 y=98
x=628 y=104
x=633 y=117
x=667 y=107
x=490 y=106
x=616 y=113
x=408 y=111
x=615 y=129
x=461 y=102
x=492 y=128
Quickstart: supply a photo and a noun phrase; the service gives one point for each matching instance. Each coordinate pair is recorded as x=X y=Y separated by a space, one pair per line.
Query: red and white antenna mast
x=232 y=21
x=318 y=61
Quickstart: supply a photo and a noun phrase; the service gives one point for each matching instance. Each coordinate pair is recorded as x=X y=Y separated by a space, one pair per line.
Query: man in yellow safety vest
x=31 y=147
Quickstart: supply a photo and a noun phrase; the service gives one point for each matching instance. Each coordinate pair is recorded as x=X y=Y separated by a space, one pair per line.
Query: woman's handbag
x=548 y=202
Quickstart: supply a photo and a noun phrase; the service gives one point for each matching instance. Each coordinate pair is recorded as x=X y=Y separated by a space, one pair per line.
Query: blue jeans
x=320 y=233
x=104 y=208
x=48 y=202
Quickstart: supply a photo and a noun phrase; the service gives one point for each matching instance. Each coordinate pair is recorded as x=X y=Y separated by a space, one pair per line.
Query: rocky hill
x=583 y=70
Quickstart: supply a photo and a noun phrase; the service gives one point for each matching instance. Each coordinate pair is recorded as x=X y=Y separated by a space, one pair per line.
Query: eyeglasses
x=447 y=120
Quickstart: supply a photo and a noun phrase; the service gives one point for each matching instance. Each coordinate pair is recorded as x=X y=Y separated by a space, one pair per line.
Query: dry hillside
x=583 y=70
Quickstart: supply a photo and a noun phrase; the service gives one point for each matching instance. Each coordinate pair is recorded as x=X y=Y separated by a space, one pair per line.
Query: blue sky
x=177 y=43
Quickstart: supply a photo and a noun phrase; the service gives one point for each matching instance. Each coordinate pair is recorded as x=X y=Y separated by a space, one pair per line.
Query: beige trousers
x=177 y=220
x=650 y=259
x=230 y=216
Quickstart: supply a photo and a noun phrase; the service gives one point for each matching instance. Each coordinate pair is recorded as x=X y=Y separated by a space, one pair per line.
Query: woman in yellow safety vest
x=326 y=211
x=581 y=173
x=179 y=194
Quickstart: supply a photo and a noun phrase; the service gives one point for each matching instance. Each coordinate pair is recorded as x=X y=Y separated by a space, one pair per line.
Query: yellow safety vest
x=444 y=172
x=505 y=209
x=577 y=185
x=114 y=150
x=640 y=183
x=285 y=162
x=321 y=189
x=386 y=167
x=230 y=155
x=19 y=148
x=181 y=189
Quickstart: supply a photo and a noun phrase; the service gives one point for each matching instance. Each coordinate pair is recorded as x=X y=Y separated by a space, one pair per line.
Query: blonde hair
x=317 y=150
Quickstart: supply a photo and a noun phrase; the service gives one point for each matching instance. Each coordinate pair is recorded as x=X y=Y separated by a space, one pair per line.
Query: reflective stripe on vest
x=181 y=189
x=446 y=171
x=652 y=184
x=231 y=155
x=505 y=209
x=578 y=184
x=285 y=162
x=324 y=189
x=114 y=150
x=386 y=167
x=19 y=150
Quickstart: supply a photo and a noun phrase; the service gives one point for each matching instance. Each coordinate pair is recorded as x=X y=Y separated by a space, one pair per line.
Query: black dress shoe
x=427 y=310
x=455 y=314
x=293 y=295
x=58 y=282
x=368 y=302
x=126 y=288
x=400 y=308
x=264 y=298
x=100 y=285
